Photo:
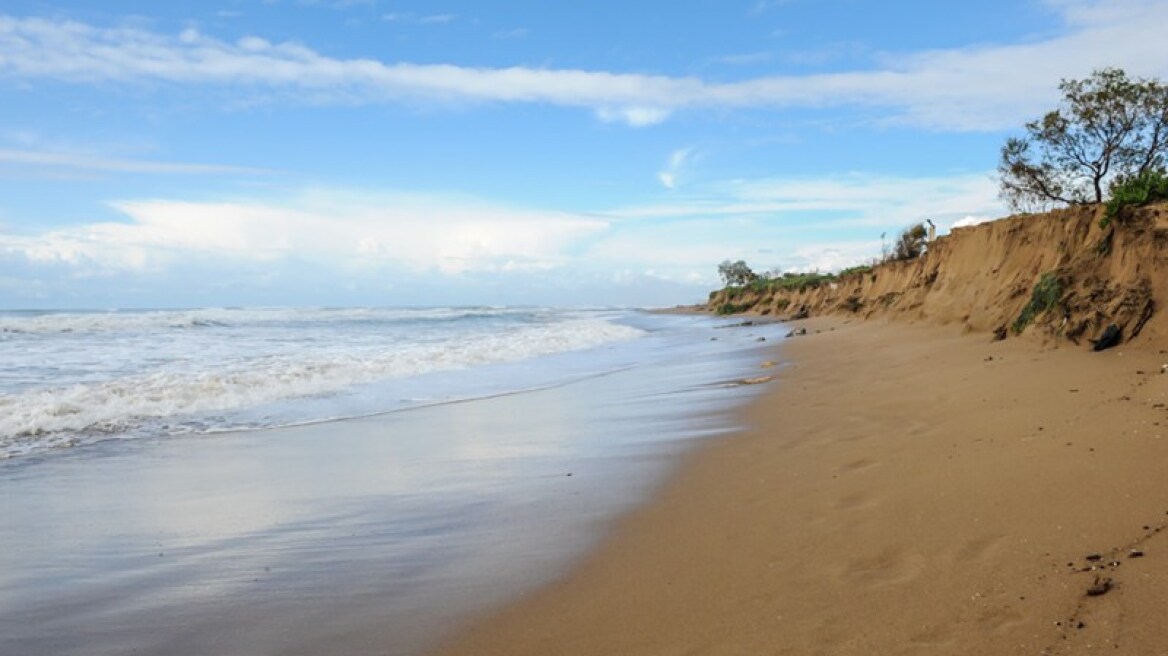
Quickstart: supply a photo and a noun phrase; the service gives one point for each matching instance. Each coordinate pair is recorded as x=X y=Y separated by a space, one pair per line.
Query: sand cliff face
x=985 y=277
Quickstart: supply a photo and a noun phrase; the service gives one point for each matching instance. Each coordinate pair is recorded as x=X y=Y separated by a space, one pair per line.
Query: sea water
x=74 y=378
x=304 y=481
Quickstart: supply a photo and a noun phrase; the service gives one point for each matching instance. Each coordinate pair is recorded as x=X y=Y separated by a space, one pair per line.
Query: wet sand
x=358 y=537
x=902 y=490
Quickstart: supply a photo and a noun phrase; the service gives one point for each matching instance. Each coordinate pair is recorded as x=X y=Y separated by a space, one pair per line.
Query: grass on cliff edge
x=1148 y=187
x=1047 y=292
x=764 y=288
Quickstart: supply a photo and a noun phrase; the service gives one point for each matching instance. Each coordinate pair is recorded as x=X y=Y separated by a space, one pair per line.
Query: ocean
x=309 y=480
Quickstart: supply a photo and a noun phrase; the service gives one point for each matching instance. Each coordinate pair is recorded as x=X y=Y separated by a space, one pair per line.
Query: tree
x=736 y=274
x=1109 y=128
x=910 y=244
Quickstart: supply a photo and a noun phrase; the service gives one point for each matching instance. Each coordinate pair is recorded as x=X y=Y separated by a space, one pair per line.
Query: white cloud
x=844 y=201
x=746 y=59
x=763 y=6
x=437 y=18
x=413 y=233
x=832 y=256
x=876 y=199
x=802 y=223
x=427 y=19
x=677 y=160
x=79 y=161
x=637 y=117
x=968 y=221
x=984 y=87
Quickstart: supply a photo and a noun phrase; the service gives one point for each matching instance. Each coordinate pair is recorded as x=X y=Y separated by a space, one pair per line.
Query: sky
x=434 y=152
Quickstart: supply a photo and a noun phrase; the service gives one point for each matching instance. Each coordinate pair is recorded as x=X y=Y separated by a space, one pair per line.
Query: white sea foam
x=155 y=377
x=118 y=321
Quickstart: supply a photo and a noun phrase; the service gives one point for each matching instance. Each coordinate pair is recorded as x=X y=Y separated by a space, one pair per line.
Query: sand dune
x=982 y=277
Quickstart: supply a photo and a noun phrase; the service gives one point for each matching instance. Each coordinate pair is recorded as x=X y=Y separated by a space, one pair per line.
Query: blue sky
x=378 y=152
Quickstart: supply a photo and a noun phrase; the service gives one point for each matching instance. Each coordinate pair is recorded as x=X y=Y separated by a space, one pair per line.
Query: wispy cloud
x=985 y=87
x=843 y=202
x=338 y=228
x=669 y=176
x=745 y=59
x=338 y=4
x=763 y=6
x=827 y=54
x=763 y=221
x=107 y=164
x=637 y=117
x=424 y=19
x=516 y=33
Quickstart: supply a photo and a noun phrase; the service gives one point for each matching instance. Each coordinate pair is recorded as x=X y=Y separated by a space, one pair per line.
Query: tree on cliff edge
x=1108 y=129
x=736 y=274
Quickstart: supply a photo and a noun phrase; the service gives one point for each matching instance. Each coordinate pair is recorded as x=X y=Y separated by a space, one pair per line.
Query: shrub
x=911 y=243
x=802 y=281
x=855 y=271
x=732 y=308
x=1144 y=188
x=736 y=274
x=1047 y=292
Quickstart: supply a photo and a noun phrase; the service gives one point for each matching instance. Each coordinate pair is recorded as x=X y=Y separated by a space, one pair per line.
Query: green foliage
x=911 y=243
x=1047 y=293
x=732 y=308
x=1147 y=187
x=782 y=303
x=855 y=271
x=786 y=282
x=1108 y=128
x=736 y=274
x=802 y=281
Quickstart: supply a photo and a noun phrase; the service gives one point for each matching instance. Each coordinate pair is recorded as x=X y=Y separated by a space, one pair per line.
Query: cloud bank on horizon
x=294 y=152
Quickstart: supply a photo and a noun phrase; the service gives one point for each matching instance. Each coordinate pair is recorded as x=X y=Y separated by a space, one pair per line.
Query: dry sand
x=899 y=492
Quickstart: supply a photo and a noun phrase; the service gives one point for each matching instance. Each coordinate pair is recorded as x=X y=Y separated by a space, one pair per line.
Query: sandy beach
x=902 y=489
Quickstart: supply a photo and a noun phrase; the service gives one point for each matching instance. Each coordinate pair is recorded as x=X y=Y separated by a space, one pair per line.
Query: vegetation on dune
x=1046 y=294
x=798 y=281
x=855 y=271
x=1109 y=129
x=1147 y=187
x=763 y=289
x=1106 y=142
x=736 y=274
x=733 y=308
x=910 y=244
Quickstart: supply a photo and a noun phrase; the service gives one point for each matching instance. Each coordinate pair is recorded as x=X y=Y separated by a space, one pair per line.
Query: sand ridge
x=902 y=490
x=984 y=278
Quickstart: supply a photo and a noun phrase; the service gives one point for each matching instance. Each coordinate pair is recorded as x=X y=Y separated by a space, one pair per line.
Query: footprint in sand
x=856 y=465
x=856 y=501
x=892 y=565
x=934 y=636
x=997 y=619
x=979 y=549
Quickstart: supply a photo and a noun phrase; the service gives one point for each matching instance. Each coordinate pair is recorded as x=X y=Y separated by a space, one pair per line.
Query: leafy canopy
x=736 y=274
x=911 y=243
x=1109 y=128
